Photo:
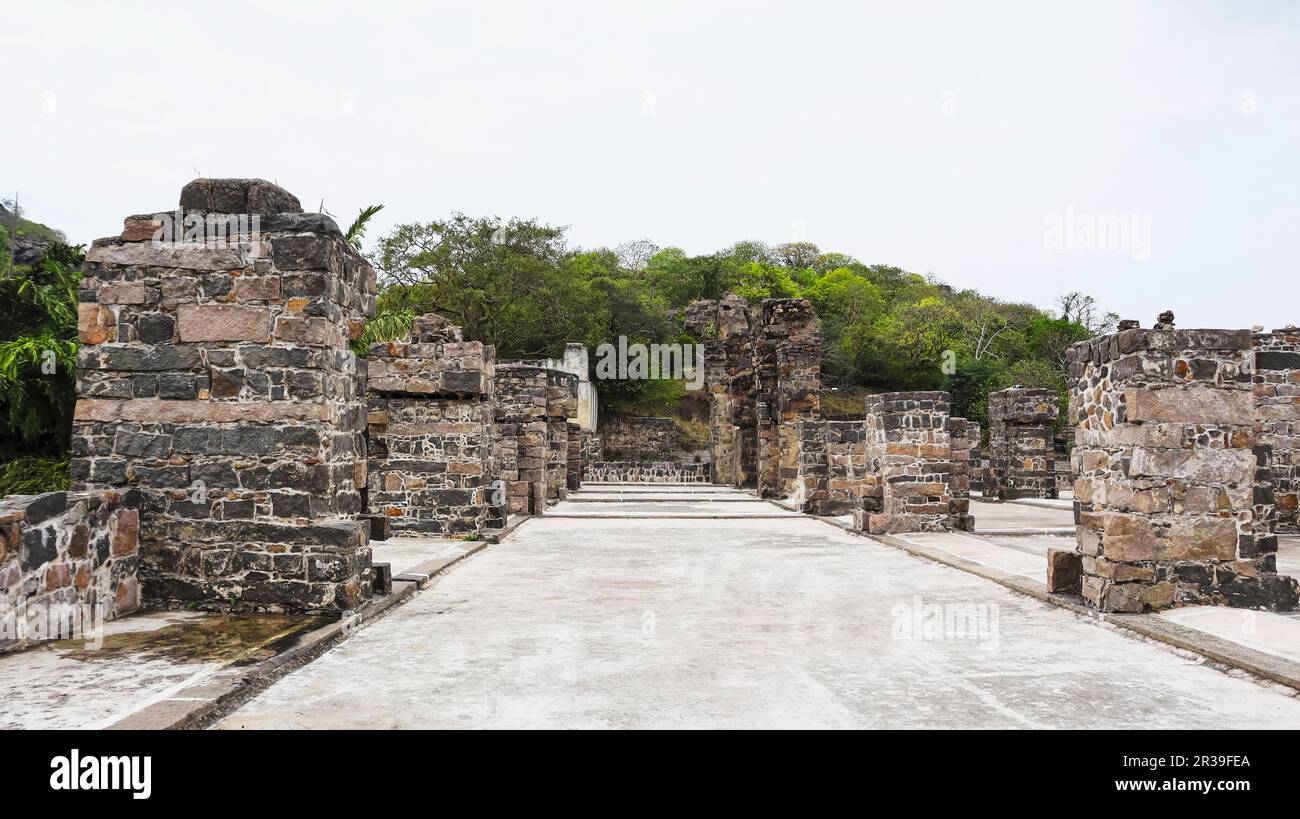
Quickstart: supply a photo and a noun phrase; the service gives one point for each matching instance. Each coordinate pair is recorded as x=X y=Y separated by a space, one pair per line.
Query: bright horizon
x=936 y=137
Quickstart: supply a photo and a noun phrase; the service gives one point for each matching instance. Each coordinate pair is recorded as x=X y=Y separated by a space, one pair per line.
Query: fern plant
x=38 y=359
x=386 y=326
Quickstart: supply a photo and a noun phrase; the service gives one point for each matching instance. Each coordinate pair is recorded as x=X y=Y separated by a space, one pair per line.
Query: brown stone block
x=126 y=532
x=1063 y=570
x=223 y=322
x=257 y=288
x=140 y=230
x=121 y=293
x=189 y=412
x=1194 y=405
x=1131 y=538
x=95 y=324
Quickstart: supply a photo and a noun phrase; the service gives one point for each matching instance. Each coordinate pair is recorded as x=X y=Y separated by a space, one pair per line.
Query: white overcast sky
x=933 y=136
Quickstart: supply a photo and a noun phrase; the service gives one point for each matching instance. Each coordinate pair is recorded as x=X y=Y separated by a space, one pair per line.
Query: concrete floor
x=585 y=622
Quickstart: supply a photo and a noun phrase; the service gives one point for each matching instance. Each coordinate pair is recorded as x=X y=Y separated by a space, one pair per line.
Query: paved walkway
x=666 y=622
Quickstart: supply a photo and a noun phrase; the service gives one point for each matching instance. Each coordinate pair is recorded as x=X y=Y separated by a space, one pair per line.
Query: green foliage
x=515 y=284
x=385 y=326
x=33 y=474
x=357 y=230
x=38 y=353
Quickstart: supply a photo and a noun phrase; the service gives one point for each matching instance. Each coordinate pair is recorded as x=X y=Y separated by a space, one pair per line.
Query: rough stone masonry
x=916 y=482
x=1165 y=462
x=215 y=377
x=432 y=468
x=762 y=375
x=68 y=561
x=1022 y=458
x=1277 y=407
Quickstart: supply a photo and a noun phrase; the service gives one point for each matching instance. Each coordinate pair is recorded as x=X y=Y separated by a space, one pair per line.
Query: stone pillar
x=1277 y=407
x=833 y=466
x=1022 y=458
x=911 y=486
x=215 y=377
x=1165 y=473
x=431 y=462
x=561 y=419
x=533 y=406
x=787 y=366
x=964 y=436
x=725 y=328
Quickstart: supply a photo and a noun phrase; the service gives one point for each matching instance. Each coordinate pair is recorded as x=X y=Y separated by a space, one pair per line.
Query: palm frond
x=357 y=231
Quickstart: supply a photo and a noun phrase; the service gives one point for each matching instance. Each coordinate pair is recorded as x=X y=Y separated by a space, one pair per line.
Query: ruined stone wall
x=647 y=472
x=912 y=486
x=633 y=438
x=520 y=436
x=1165 y=473
x=1276 y=384
x=833 y=466
x=725 y=328
x=561 y=421
x=215 y=377
x=1022 y=457
x=964 y=437
x=762 y=374
x=533 y=410
x=68 y=561
x=787 y=365
x=432 y=465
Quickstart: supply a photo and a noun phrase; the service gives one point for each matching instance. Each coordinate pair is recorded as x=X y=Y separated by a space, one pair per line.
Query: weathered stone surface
x=1022 y=457
x=1190 y=406
x=249 y=452
x=1063 y=571
x=251 y=196
x=224 y=322
x=69 y=552
x=1173 y=492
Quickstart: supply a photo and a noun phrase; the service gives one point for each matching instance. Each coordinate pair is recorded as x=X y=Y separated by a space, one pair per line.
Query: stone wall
x=215 y=377
x=1165 y=473
x=634 y=438
x=725 y=328
x=432 y=466
x=533 y=409
x=762 y=373
x=1022 y=458
x=964 y=438
x=787 y=365
x=834 y=466
x=647 y=472
x=914 y=484
x=1276 y=384
x=68 y=561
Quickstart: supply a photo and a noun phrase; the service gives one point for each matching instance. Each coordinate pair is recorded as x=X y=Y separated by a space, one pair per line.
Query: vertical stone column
x=522 y=435
x=1022 y=458
x=964 y=437
x=1276 y=384
x=431 y=458
x=833 y=466
x=911 y=485
x=787 y=367
x=1165 y=472
x=215 y=377
x=726 y=330
x=561 y=410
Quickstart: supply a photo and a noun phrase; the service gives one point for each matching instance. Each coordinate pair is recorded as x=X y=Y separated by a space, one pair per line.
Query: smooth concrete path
x=742 y=623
